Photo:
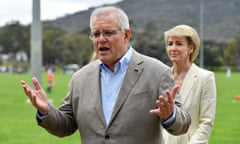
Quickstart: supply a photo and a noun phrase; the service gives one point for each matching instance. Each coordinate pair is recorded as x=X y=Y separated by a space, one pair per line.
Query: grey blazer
x=131 y=122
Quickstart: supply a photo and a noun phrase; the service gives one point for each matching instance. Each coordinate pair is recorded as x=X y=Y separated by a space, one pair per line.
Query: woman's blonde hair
x=188 y=32
x=93 y=57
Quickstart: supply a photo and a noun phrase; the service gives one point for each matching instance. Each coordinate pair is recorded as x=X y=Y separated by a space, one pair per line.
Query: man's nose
x=102 y=38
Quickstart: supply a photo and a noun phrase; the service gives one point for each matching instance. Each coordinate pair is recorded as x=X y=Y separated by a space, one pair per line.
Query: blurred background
x=66 y=47
x=65 y=32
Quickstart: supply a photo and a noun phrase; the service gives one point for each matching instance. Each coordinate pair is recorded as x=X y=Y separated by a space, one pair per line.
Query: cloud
x=21 y=10
x=54 y=9
x=12 y=10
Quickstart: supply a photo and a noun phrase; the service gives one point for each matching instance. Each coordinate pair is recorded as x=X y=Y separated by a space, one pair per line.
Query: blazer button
x=107 y=136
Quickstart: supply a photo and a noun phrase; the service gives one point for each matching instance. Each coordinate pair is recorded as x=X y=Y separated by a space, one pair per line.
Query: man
x=121 y=98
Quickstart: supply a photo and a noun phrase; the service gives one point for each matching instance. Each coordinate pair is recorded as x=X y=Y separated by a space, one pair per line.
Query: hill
x=221 y=18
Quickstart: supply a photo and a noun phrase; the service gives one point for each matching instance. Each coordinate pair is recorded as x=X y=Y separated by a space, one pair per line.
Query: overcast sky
x=21 y=10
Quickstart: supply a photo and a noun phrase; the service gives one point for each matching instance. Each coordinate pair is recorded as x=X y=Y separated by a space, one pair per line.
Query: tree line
x=60 y=48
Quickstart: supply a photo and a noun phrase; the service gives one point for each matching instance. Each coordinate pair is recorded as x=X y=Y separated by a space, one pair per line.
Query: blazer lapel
x=188 y=82
x=95 y=91
x=132 y=75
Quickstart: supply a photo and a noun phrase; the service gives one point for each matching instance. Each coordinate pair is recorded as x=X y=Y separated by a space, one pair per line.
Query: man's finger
x=174 y=91
x=25 y=88
x=36 y=83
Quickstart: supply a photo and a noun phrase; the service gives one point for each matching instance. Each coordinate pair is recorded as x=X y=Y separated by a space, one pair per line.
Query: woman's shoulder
x=202 y=72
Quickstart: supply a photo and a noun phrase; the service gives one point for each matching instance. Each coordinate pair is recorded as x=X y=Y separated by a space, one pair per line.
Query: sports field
x=18 y=124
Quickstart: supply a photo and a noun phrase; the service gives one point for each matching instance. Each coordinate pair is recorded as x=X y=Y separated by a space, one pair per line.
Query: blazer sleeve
x=60 y=122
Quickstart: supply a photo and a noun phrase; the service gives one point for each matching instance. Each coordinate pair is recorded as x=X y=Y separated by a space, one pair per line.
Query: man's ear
x=127 y=35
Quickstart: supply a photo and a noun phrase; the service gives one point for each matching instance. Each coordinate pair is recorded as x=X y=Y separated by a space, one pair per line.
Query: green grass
x=18 y=124
x=17 y=117
x=227 y=129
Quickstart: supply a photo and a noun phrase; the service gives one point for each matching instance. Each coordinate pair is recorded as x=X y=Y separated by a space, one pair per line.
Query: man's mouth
x=103 y=49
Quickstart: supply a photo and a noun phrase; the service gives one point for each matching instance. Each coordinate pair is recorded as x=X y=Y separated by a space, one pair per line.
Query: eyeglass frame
x=105 y=34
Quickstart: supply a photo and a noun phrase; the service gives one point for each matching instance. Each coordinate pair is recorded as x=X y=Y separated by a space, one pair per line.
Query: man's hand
x=37 y=96
x=165 y=105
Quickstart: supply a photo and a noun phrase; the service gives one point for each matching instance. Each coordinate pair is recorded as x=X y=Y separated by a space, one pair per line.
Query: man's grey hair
x=122 y=16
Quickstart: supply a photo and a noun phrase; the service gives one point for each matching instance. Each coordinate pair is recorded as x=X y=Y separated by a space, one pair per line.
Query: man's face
x=109 y=42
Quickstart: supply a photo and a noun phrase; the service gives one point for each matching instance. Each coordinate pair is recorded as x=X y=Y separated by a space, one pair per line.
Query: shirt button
x=107 y=136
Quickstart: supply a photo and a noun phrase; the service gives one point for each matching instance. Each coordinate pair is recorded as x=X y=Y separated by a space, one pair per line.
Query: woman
x=197 y=86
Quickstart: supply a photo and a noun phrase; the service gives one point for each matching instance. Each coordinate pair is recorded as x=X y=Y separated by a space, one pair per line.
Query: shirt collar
x=122 y=64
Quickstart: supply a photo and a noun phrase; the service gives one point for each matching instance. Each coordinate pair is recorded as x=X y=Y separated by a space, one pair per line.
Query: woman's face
x=178 y=49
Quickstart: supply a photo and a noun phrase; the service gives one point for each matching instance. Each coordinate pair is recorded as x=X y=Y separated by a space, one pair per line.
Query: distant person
x=197 y=85
x=10 y=69
x=122 y=98
x=50 y=78
x=228 y=73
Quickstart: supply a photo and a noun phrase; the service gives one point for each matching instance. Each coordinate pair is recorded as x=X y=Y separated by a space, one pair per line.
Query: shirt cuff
x=167 y=123
x=40 y=117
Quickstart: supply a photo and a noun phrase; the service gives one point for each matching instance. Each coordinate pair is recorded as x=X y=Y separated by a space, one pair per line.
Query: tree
x=149 y=42
x=14 y=37
x=53 y=45
x=232 y=52
x=78 y=48
x=213 y=53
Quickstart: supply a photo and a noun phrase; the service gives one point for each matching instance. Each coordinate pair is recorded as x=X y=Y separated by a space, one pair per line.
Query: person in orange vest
x=50 y=78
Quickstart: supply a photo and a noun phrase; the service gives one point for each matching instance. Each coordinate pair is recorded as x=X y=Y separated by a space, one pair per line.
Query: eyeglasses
x=106 y=34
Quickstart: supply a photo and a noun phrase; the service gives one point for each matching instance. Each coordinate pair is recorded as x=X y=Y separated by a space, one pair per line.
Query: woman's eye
x=179 y=44
x=170 y=44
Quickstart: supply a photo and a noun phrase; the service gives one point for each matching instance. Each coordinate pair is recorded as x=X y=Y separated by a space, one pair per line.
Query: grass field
x=18 y=124
x=17 y=117
x=227 y=123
